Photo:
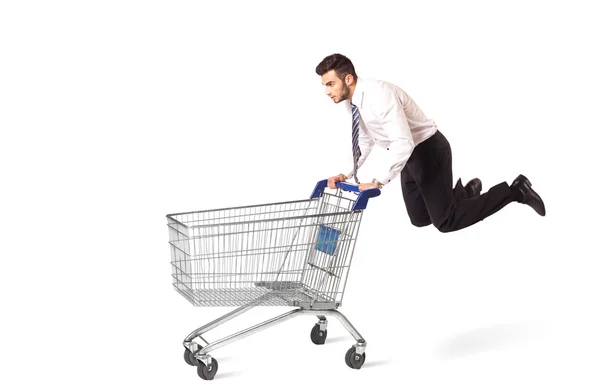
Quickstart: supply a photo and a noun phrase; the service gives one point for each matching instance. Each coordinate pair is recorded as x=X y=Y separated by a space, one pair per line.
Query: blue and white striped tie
x=355 y=148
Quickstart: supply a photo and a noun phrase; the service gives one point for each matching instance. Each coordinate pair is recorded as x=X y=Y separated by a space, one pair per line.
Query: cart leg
x=361 y=344
x=356 y=355
x=247 y=332
x=204 y=359
x=217 y=322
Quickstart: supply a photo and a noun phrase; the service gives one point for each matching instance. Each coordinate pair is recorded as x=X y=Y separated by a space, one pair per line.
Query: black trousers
x=429 y=195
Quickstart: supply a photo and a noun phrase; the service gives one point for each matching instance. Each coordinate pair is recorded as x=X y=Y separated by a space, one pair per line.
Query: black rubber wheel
x=189 y=357
x=351 y=360
x=317 y=336
x=348 y=353
x=208 y=373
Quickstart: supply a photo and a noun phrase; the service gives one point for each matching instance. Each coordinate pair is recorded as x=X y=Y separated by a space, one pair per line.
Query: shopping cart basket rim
x=266 y=220
x=360 y=202
x=239 y=207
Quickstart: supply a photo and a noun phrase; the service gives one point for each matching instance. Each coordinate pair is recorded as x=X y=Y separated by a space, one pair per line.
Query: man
x=384 y=115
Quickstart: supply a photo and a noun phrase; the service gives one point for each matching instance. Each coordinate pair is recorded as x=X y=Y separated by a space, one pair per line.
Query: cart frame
x=305 y=265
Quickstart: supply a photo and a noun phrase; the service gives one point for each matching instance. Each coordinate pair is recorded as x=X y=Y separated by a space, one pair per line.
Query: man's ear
x=349 y=79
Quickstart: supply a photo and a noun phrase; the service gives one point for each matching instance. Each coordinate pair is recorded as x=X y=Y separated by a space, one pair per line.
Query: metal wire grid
x=270 y=254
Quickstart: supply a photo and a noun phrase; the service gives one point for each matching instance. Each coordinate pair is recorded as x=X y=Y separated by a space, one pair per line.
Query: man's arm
x=396 y=126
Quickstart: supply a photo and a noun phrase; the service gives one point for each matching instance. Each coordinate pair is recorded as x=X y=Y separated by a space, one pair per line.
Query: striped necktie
x=355 y=148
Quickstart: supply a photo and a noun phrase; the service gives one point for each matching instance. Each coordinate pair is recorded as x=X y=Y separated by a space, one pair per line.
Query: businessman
x=383 y=114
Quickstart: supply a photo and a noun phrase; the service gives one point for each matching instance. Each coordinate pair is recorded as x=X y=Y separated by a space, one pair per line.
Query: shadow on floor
x=484 y=339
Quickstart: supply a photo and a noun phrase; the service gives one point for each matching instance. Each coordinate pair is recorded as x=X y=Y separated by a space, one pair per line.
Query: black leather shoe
x=529 y=196
x=473 y=188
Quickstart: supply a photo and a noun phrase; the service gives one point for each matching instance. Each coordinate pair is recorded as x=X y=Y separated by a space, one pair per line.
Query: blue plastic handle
x=361 y=200
x=347 y=186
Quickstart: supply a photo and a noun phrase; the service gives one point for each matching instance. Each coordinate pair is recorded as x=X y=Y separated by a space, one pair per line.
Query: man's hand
x=365 y=186
x=332 y=181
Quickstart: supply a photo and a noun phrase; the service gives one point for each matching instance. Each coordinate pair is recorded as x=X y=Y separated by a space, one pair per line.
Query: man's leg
x=449 y=208
x=413 y=199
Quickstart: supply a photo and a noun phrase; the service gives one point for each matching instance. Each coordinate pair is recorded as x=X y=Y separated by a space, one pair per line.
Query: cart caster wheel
x=189 y=358
x=208 y=372
x=351 y=358
x=317 y=336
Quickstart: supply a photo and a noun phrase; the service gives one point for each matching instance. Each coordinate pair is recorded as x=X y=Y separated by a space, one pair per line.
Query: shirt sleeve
x=393 y=120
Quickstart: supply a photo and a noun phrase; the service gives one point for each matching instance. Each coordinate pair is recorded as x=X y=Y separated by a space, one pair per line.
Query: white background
x=116 y=113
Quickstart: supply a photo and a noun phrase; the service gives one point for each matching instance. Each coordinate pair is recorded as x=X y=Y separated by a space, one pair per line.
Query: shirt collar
x=357 y=97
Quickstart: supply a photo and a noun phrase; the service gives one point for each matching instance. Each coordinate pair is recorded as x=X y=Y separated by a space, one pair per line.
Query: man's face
x=335 y=88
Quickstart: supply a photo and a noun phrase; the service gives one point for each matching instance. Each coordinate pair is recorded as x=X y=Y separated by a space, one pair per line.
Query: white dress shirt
x=391 y=119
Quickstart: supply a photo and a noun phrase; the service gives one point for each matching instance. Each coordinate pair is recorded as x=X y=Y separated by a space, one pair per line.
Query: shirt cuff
x=389 y=177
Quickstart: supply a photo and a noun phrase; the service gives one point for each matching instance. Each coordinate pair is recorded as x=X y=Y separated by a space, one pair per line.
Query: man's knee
x=444 y=226
x=420 y=223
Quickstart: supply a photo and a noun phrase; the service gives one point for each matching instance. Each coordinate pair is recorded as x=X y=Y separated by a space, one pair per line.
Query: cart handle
x=361 y=200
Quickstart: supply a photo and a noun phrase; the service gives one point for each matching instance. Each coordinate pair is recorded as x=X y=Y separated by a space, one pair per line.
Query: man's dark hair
x=338 y=62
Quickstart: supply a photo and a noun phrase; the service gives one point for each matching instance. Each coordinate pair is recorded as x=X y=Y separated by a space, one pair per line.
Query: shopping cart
x=294 y=253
